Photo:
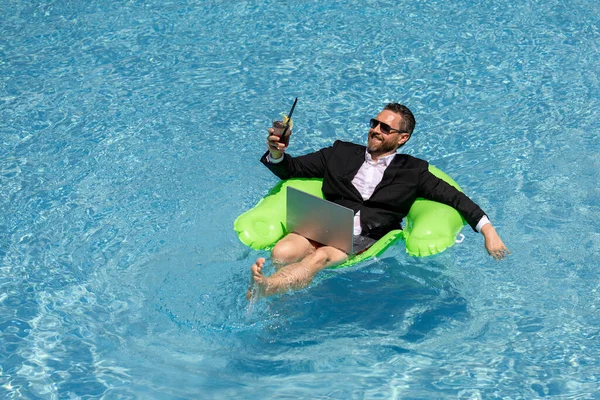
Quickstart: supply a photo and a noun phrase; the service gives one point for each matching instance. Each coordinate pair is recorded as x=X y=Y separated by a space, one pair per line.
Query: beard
x=377 y=145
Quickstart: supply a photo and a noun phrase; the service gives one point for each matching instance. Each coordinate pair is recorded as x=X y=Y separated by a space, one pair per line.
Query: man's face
x=380 y=143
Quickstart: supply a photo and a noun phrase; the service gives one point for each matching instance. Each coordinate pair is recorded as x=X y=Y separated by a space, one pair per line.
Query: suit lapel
x=390 y=172
x=355 y=159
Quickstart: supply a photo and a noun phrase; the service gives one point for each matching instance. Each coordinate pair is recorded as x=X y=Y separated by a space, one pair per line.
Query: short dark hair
x=407 y=124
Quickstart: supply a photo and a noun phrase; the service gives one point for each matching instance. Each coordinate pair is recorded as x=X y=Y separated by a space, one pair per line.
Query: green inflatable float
x=431 y=227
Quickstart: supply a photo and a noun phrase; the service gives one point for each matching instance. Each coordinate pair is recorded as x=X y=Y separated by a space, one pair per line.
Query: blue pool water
x=130 y=134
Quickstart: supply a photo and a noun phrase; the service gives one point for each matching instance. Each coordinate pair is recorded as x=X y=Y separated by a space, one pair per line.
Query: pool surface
x=130 y=134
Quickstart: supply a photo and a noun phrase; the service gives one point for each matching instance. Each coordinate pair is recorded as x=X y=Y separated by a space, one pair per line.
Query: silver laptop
x=319 y=220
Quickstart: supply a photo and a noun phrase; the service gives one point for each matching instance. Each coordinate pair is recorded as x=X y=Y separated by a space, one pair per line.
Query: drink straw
x=287 y=125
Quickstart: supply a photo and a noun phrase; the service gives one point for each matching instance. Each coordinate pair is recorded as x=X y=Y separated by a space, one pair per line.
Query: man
x=376 y=182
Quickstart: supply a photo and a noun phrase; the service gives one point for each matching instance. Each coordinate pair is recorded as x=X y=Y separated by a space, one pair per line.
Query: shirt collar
x=385 y=160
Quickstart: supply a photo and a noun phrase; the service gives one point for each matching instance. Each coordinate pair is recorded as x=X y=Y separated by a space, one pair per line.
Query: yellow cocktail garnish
x=286 y=119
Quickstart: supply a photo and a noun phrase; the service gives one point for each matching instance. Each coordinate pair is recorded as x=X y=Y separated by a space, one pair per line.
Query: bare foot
x=258 y=280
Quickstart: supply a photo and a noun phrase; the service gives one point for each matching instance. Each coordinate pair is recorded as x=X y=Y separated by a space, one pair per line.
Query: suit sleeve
x=311 y=165
x=433 y=188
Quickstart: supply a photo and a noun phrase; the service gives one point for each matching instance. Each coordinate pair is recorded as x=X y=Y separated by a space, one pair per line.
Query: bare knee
x=325 y=257
x=283 y=253
x=320 y=257
x=290 y=250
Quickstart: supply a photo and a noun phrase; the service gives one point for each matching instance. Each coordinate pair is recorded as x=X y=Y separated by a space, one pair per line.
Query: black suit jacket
x=405 y=179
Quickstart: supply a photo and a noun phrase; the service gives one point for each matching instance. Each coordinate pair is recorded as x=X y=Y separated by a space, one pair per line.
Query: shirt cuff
x=483 y=221
x=357 y=228
x=274 y=160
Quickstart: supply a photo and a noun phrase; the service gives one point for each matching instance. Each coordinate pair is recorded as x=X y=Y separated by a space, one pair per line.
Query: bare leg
x=292 y=248
x=293 y=276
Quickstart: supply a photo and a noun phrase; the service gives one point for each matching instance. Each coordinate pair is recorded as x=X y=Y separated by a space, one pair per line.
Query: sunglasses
x=385 y=128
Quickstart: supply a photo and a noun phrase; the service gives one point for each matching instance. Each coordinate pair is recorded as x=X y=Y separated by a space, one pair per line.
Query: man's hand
x=493 y=244
x=276 y=149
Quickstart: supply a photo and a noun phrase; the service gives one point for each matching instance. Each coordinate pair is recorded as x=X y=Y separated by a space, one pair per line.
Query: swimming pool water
x=129 y=141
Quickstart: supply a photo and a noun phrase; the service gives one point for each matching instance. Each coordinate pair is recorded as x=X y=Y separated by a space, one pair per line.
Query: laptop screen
x=319 y=220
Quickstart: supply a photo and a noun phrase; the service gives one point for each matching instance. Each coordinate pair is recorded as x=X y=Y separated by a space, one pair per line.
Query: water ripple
x=128 y=136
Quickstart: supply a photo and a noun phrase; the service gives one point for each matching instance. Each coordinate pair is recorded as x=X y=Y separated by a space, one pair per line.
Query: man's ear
x=403 y=138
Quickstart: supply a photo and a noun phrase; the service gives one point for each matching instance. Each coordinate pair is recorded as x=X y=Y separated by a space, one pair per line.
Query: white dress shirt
x=367 y=178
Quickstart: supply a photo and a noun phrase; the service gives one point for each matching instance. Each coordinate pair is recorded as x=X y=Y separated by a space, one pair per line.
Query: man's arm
x=284 y=166
x=433 y=188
